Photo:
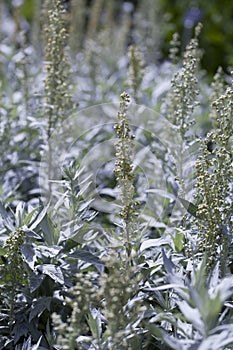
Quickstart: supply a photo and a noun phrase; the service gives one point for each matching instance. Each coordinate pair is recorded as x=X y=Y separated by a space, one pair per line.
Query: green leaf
x=94 y=322
x=3 y=251
x=178 y=241
x=190 y=207
x=19 y=212
x=28 y=218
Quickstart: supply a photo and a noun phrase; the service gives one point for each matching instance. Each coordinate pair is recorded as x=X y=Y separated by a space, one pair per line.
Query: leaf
x=192 y=315
x=178 y=241
x=6 y=217
x=225 y=288
x=3 y=211
x=31 y=234
x=49 y=252
x=159 y=333
x=47 y=230
x=54 y=272
x=86 y=256
x=36 y=280
x=217 y=341
x=19 y=213
x=3 y=251
x=157 y=242
x=210 y=310
x=39 y=306
x=169 y=266
x=157 y=296
x=36 y=222
x=190 y=207
x=27 y=344
x=20 y=329
x=28 y=218
x=29 y=254
x=94 y=322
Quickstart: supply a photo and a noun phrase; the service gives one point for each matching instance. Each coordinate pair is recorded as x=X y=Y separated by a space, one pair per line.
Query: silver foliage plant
x=135 y=282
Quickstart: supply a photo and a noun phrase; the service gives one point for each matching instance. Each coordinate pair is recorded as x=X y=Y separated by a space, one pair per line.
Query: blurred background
x=151 y=23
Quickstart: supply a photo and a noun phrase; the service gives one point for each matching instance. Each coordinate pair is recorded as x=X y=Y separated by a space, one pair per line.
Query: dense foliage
x=116 y=215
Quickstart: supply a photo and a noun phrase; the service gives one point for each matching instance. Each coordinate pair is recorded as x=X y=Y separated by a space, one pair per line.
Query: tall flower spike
x=123 y=171
x=182 y=98
x=56 y=84
x=82 y=296
x=174 y=48
x=116 y=288
x=218 y=85
x=214 y=185
x=136 y=70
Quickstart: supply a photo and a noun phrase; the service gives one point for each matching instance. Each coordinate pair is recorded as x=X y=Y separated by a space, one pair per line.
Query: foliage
x=115 y=220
